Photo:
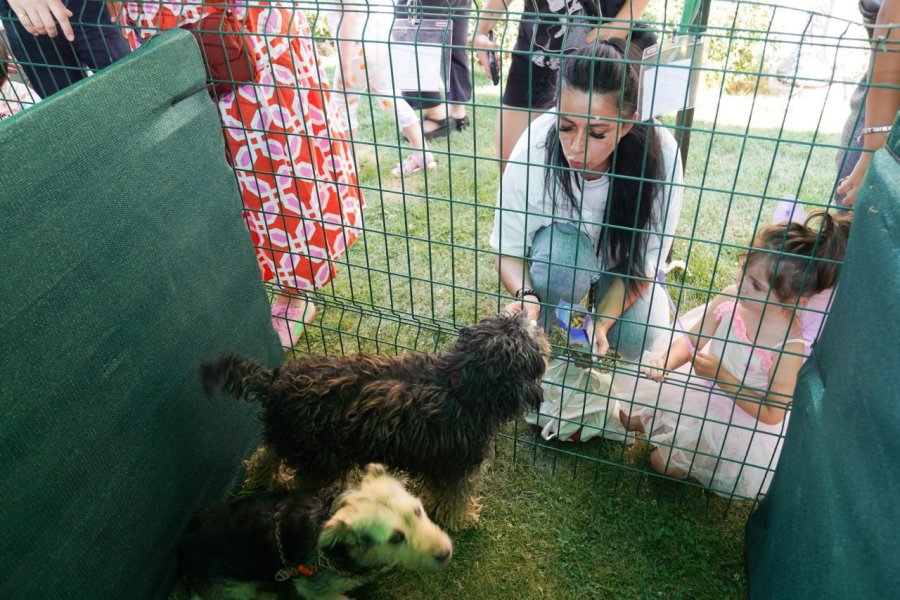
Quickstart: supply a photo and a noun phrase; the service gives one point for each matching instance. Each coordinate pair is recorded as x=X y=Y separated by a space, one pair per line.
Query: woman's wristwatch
x=528 y=292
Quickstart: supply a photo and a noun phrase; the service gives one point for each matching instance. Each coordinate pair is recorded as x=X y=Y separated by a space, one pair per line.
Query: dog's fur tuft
x=432 y=415
x=358 y=533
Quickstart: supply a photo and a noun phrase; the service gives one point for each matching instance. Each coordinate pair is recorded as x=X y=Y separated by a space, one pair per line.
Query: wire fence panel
x=636 y=182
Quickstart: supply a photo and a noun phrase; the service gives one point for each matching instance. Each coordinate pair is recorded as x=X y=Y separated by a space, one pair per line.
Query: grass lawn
x=560 y=520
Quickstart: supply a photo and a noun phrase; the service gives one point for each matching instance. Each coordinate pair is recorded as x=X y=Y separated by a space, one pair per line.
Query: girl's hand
x=482 y=44
x=528 y=303
x=655 y=368
x=706 y=366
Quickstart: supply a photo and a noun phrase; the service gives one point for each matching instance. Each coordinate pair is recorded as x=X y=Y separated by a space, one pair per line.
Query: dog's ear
x=336 y=532
x=375 y=470
x=339 y=540
x=533 y=395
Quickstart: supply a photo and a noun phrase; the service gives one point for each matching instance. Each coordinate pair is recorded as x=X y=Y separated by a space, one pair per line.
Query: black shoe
x=442 y=129
x=462 y=122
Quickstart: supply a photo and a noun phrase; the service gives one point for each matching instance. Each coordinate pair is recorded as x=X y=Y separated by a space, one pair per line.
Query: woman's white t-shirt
x=523 y=206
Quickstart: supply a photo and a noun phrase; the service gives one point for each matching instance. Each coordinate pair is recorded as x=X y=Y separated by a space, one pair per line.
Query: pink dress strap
x=725 y=307
x=737 y=323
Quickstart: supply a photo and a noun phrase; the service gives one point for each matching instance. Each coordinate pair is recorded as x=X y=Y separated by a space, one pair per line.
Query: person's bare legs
x=659 y=459
x=631 y=424
x=409 y=124
x=289 y=315
x=439 y=113
x=511 y=122
x=423 y=160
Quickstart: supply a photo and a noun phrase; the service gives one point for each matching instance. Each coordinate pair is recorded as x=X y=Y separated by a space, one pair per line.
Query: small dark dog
x=318 y=545
x=434 y=416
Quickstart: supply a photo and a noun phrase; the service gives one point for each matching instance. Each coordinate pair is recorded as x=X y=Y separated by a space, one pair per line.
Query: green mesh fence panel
x=125 y=263
x=776 y=85
x=827 y=528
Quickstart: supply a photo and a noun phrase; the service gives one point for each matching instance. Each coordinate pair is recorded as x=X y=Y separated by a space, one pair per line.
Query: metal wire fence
x=748 y=100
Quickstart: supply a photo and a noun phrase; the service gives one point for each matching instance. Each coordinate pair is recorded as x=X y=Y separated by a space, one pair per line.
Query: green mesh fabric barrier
x=828 y=527
x=125 y=263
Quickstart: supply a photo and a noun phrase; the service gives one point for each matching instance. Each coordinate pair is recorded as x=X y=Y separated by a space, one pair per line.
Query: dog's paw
x=467 y=518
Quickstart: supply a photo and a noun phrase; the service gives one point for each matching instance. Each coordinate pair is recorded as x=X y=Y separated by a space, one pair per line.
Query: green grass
x=559 y=520
x=551 y=529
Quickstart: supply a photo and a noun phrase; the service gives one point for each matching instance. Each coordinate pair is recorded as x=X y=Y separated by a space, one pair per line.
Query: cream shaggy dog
x=315 y=544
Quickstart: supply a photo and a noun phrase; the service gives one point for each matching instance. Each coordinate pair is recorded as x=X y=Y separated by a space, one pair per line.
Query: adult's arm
x=882 y=103
x=514 y=277
x=488 y=17
x=348 y=32
x=631 y=10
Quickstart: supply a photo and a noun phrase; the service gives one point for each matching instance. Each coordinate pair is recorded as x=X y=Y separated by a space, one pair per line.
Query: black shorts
x=536 y=86
x=529 y=85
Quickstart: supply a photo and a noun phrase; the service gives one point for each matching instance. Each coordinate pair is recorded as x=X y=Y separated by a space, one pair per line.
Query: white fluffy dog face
x=381 y=524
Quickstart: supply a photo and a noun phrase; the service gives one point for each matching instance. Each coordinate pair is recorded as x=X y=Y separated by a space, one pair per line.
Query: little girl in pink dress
x=718 y=415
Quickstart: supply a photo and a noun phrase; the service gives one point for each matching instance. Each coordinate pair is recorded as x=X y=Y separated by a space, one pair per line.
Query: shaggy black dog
x=318 y=544
x=434 y=416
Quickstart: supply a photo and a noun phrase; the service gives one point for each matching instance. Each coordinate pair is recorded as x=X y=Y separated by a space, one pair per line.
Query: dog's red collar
x=286 y=573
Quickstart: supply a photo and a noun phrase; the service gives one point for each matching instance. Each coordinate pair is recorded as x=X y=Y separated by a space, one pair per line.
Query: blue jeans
x=563 y=265
x=52 y=64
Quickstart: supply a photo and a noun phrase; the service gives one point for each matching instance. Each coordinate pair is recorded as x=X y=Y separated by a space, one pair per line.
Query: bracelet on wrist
x=879 y=129
x=528 y=292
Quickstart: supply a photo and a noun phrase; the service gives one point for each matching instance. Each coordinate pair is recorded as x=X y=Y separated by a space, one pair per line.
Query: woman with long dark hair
x=589 y=202
x=546 y=30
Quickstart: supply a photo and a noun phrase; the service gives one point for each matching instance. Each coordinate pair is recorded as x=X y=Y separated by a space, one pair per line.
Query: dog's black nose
x=443 y=556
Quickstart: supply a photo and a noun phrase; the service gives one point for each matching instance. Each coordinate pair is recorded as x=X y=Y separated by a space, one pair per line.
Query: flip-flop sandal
x=413 y=164
x=442 y=129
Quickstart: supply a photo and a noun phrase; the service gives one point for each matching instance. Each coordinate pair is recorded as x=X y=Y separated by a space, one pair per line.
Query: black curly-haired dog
x=434 y=416
x=318 y=544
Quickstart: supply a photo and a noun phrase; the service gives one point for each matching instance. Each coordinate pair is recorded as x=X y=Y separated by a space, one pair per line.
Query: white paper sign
x=669 y=77
x=416 y=67
x=665 y=89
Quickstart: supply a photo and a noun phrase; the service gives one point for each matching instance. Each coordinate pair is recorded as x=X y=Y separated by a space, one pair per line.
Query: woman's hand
x=482 y=44
x=39 y=17
x=655 y=368
x=601 y=343
x=528 y=303
x=706 y=366
x=850 y=185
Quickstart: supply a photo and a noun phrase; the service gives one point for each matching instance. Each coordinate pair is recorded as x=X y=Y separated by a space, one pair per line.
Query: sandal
x=442 y=129
x=289 y=318
x=415 y=163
